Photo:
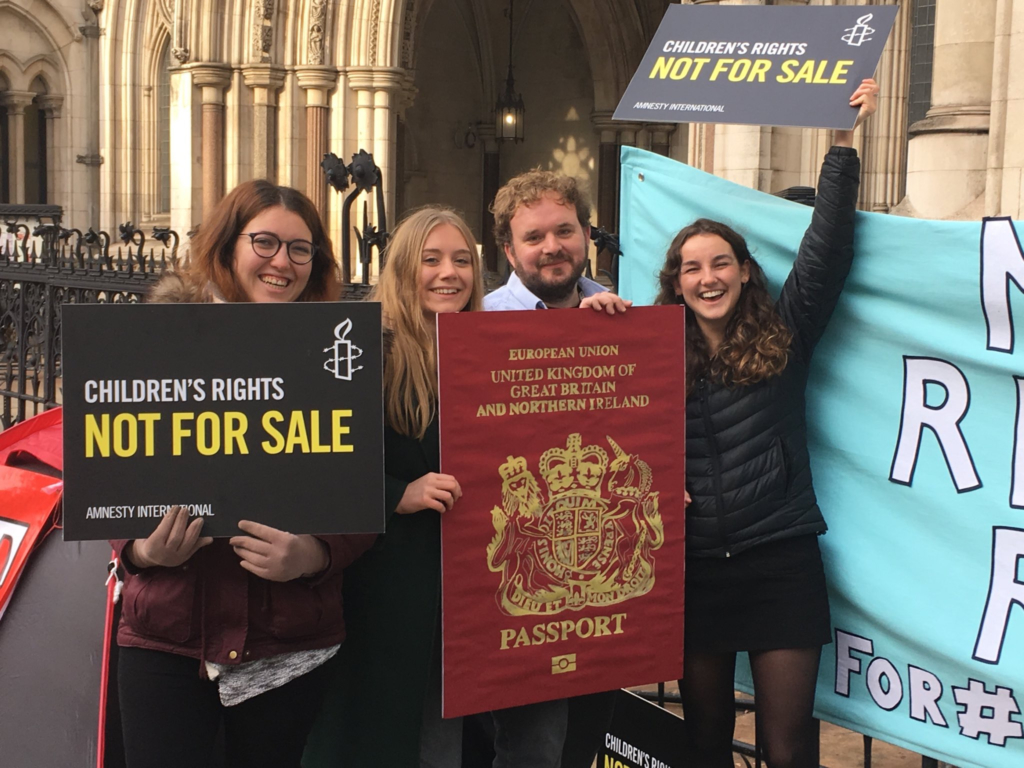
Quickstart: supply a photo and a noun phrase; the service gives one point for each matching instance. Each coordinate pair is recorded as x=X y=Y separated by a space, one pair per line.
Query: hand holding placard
x=606 y=301
x=278 y=555
x=432 y=491
x=173 y=542
x=865 y=97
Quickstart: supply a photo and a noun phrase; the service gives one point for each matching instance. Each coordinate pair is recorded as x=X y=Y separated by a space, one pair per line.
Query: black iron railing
x=47 y=265
x=364 y=176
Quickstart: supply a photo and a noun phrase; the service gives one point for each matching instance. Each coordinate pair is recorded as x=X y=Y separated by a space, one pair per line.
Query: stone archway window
x=921 y=54
x=36 y=171
x=27 y=140
x=163 y=131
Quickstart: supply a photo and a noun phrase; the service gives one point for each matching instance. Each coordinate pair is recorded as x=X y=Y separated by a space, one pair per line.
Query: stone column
x=661 y=138
x=16 y=101
x=947 y=157
x=265 y=80
x=50 y=108
x=1004 y=187
x=700 y=146
x=883 y=158
x=493 y=261
x=317 y=82
x=388 y=85
x=361 y=81
x=607 y=177
x=92 y=158
x=213 y=78
x=186 y=138
x=378 y=91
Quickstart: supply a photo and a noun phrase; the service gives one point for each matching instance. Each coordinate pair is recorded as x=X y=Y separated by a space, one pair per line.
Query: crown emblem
x=574 y=470
x=588 y=540
x=514 y=466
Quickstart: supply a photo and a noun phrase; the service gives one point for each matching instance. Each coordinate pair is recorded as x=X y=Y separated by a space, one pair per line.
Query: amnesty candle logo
x=859 y=33
x=344 y=352
x=588 y=541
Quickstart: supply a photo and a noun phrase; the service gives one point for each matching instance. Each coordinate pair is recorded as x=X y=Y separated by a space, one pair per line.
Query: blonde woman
x=384 y=708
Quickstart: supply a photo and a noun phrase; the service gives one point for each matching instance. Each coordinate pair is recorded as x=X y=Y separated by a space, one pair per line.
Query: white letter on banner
x=846 y=662
x=1017 y=493
x=1004 y=591
x=890 y=695
x=944 y=420
x=1002 y=260
x=925 y=692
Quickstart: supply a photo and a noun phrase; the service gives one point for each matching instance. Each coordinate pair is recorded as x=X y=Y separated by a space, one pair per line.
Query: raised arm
x=812 y=289
x=866 y=98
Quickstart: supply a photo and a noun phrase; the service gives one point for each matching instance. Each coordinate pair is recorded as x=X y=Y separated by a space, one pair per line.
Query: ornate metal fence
x=46 y=266
x=363 y=175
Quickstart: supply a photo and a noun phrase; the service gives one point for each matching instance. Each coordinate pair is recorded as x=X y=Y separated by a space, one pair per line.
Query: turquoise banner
x=914 y=414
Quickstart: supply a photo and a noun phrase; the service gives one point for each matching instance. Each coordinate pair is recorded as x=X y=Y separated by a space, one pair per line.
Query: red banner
x=563 y=561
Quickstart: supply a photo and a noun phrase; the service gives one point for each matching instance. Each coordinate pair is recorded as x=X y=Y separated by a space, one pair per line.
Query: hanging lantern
x=509 y=112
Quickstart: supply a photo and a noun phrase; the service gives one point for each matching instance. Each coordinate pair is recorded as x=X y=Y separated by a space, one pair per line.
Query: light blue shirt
x=515 y=295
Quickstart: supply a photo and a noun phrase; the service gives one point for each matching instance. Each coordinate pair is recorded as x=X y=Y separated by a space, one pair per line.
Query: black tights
x=784 y=683
x=170 y=717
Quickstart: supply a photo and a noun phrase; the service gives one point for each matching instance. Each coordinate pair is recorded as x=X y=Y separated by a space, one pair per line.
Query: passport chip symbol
x=562 y=664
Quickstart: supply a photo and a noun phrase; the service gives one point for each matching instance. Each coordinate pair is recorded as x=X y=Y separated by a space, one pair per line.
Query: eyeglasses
x=267 y=244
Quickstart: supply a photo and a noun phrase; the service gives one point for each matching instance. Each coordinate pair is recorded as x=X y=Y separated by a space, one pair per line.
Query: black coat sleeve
x=812 y=289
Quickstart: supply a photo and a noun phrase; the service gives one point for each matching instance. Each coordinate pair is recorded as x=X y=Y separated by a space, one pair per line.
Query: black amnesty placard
x=643 y=735
x=759 y=65
x=264 y=412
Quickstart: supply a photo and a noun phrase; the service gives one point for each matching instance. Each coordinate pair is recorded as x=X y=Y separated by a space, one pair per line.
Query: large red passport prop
x=563 y=561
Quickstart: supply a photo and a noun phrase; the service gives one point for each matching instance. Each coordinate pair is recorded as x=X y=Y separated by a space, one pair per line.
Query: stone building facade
x=149 y=110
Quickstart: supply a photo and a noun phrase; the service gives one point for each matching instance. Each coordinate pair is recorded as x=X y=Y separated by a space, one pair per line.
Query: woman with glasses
x=384 y=709
x=234 y=633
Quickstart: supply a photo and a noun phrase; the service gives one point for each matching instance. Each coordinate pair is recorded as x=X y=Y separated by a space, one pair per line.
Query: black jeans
x=171 y=717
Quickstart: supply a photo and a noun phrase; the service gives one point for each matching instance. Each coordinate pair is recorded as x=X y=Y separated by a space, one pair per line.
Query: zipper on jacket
x=716 y=463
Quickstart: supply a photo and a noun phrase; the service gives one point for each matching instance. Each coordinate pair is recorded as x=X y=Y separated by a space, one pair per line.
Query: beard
x=550 y=292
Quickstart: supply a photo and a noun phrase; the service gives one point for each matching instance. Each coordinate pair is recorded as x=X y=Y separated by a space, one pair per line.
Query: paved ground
x=840 y=748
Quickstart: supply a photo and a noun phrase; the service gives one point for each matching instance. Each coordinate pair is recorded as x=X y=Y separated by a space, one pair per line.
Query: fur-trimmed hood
x=174 y=288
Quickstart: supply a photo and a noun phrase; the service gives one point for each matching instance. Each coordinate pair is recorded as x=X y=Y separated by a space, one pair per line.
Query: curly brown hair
x=211 y=257
x=757 y=340
x=527 y=189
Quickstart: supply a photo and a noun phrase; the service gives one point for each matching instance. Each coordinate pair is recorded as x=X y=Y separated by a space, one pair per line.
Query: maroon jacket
x=213 y=609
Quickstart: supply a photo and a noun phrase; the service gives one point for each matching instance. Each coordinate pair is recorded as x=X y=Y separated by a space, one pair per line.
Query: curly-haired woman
x=755 y=580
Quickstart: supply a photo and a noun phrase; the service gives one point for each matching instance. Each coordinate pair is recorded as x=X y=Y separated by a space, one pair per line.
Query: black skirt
x=769 y=597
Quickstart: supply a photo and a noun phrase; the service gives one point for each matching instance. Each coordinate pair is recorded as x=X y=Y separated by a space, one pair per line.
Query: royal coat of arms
x=587 y=541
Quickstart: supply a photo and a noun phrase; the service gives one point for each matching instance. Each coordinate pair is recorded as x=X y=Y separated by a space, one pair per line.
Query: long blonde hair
x=410 y=369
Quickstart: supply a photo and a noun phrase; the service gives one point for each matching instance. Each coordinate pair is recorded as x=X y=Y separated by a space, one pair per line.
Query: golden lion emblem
x=587 y=541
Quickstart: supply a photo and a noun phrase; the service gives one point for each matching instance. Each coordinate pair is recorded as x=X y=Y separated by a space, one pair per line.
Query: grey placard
x=763 y=65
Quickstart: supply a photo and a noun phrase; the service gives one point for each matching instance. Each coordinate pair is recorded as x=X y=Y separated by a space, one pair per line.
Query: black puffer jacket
x=747 y=467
